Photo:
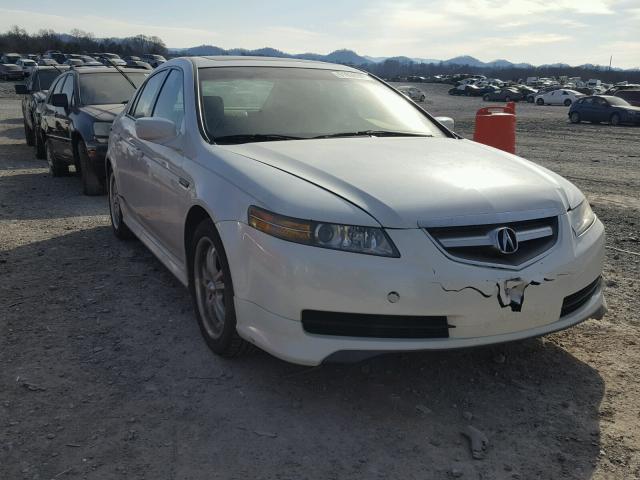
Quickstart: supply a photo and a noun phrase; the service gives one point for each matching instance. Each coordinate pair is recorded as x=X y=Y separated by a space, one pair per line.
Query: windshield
x=46 y=78
x=303 y=103
x=108 y=88
x=618 y=101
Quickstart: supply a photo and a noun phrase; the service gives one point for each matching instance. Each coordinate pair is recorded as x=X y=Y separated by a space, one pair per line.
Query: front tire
x=539 y=101
x=567 y=103
x=212 y=292
x=91 y=183
x=120 y=229
x=56 y=168
x=574 y=117
x=615 y=120
x=485 y=98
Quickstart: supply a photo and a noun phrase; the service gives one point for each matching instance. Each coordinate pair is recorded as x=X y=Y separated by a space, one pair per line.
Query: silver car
x=311 y=209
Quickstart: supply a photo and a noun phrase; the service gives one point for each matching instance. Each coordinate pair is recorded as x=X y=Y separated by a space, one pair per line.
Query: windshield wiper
x=255 y=137
x=373 y=133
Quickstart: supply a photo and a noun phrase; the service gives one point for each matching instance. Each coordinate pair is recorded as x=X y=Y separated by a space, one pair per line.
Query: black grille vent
x=576 y=300
x=376 y=326
x=476 y=243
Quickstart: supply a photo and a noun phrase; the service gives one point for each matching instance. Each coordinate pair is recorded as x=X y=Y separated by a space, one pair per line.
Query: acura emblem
x=506 y=240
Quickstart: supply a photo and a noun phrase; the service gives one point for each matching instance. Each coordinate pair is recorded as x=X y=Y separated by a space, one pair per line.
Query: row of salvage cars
x=317 y=212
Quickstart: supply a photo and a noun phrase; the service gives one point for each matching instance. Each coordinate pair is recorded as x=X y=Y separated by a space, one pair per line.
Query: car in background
x=10 y=71
x=111 y=59
x=73 y=62
x=76 y=120
x=34 y=91
x=139 y=64
x=326 y=213
x=604 y=108
x=510 y=94
x=630 y=95
x=560 y=96
x=10 y=58
x=57 y=56
x=152 y=59
x=479 y=90
x=46 y=62
x=27 y=65
x=413 y=93
x=132 y=58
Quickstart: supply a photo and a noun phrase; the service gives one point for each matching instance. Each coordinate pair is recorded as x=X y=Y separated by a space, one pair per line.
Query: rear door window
x=146 y=99
x=170 y=103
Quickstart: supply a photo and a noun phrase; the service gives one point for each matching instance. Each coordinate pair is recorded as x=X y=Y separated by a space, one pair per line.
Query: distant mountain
x=349 y=57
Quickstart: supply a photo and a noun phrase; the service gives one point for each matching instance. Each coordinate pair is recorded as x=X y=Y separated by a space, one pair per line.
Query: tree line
x=395 y=68
x=18 y=40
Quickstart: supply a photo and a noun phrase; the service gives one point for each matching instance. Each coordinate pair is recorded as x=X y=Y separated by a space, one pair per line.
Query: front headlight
x=581 y=218
x=101 y=129
x=349 y=238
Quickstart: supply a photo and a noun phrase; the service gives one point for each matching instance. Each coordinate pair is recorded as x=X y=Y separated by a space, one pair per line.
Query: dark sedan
x=504 y=95
x=35 y=91
x=77 y=116
x=604 y=108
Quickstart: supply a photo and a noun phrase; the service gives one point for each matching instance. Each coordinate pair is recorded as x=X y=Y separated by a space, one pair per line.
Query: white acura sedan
x=313 y=210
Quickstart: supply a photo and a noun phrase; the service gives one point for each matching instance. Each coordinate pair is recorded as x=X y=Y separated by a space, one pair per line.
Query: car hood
x=103 y=113
x=409 y=182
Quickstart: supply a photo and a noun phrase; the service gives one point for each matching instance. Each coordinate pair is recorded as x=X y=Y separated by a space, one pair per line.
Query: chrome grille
x=477 y=243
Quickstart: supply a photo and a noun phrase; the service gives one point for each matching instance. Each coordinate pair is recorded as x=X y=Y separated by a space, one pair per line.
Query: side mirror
x=155 y=129
x=60 y=100
x=447 y=122
x=21 y=89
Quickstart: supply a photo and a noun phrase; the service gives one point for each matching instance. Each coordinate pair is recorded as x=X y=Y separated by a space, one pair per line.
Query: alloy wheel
x=114 y=202
x=209 y=287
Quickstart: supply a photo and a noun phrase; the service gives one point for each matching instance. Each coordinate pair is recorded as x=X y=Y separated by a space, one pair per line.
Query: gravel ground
x=104 y=374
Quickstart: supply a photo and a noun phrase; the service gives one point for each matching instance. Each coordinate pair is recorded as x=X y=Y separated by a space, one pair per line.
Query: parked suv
x=35 y=91
x=631 y=96
x=77 y=116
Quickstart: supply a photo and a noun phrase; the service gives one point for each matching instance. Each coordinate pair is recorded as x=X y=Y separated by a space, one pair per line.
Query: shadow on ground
x=106 y=376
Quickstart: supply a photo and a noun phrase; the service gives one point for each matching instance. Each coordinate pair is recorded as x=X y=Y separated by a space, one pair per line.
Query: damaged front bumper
x=275 y=281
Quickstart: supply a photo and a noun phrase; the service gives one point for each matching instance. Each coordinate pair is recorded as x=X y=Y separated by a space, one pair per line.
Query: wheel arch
x=197 y=213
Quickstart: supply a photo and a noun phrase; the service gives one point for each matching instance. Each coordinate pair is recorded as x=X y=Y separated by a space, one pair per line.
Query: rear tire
x=574 y=117
x=507 y=98
x=56 y=168
x=28 y=134
x=615 y=120
x=567 y=103
x=91 y=183
x=539 y=101
x=485 y=98
x=120 y=229
x=39 y=145
x=212 y=292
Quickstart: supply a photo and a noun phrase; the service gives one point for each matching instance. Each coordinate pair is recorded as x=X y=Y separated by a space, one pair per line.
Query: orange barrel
x=496 y=127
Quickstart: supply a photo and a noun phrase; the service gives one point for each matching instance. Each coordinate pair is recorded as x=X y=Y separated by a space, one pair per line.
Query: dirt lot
x=104 y=374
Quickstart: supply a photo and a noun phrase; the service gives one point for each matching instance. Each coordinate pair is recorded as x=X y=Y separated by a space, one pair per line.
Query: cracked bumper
x=275 y=280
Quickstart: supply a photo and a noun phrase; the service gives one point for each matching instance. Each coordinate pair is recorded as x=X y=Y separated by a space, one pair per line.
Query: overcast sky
x=544 y=31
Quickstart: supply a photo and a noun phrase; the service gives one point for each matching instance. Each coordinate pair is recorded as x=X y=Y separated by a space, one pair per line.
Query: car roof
x=64 y=68
x=248 y=61
x=90 y=70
